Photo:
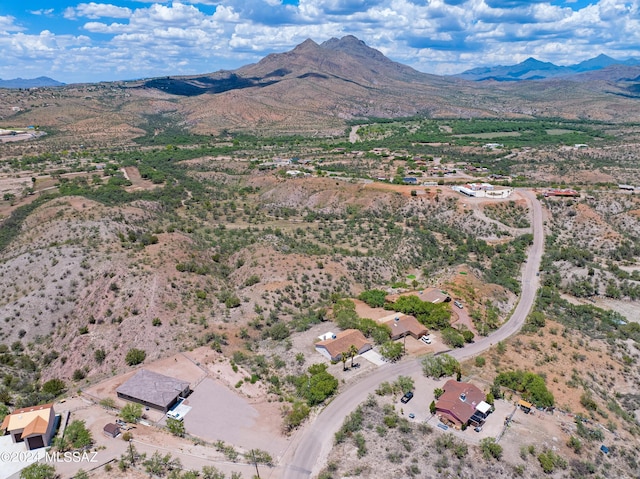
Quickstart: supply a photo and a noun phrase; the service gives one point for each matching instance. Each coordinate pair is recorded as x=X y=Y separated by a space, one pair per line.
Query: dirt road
x=308 y=454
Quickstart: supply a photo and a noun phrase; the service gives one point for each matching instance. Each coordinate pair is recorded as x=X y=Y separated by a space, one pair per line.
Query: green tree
x=344 y=314
x=175 y=427
x=404 y=384
x=437 y=392
x=135 y=356
x=452 y=337
x=78 y=435
x=131 y=412
x=373 y=297
x=38 y=470
x=530 y=384
x=159 y=465
x=353 y=352
x=317 y=386
x=432 y=407
x=4 y=411
x=438 y=366
x=391 y=350
x=259 y=456
x=54 y=387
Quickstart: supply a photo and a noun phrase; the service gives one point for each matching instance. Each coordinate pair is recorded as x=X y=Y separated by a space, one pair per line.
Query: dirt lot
x=221 y=414
x=243 y=417
x=146 y=439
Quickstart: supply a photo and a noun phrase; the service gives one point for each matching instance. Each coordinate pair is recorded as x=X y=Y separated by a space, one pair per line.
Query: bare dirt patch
x=138 y=183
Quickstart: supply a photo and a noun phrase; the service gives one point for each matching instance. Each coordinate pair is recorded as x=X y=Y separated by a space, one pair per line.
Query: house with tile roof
x=462 y=404
x=404 y=325
x=333 y=348
x=32 y=425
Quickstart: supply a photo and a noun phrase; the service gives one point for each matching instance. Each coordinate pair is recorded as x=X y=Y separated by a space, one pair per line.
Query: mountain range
x=317 y=88
x=29 y=82
x=532 y=69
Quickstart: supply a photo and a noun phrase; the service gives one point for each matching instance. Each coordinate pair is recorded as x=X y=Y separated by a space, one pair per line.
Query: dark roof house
x=153 y=390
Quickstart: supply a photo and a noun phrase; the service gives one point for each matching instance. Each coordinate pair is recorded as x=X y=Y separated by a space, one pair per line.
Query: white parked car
x=426 y=339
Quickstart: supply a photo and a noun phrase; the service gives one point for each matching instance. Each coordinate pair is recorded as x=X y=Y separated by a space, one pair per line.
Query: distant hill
x=317 y=88
x=532 y=69
x=347 y=59
x=29 y=82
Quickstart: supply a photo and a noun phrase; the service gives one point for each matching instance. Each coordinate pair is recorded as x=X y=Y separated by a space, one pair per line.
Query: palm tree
x=343 y=358
x=353 y=352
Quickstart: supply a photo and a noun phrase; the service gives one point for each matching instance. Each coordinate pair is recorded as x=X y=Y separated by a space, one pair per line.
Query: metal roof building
x=153 y=390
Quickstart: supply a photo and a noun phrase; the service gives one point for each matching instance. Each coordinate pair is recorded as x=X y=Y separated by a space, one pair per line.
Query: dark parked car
x=407 y=397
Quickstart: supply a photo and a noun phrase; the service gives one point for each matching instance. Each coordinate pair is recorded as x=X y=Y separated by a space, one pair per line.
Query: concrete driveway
x=15 y=457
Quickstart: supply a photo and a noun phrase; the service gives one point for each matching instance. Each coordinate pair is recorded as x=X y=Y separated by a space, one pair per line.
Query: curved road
x=308 y=452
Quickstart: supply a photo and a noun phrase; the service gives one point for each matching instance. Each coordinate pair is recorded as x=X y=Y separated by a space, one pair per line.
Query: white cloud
x=97 y=10
x=46 y=12
x=440 y=36
x=7 y=25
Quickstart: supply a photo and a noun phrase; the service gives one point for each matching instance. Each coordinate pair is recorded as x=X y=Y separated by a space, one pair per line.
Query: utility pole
x=255 y=463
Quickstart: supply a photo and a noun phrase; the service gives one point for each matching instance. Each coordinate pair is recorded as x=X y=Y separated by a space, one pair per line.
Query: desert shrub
x=135 y=356
x=587 y=401
x=575 y=444
x=99 y=355
x=296 y=415
x=490 y=448
x=175 y=427
x=37 y=470
x=549 y=461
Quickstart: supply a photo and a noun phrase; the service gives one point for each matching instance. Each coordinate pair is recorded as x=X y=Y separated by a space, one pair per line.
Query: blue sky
x=127 y=39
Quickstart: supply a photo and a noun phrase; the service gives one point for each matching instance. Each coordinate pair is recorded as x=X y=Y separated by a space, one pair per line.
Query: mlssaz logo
x=71 y=456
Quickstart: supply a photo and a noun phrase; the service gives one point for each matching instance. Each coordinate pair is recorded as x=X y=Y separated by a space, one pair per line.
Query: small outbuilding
x=154 y=390
x=525 y=406
x=111 y=430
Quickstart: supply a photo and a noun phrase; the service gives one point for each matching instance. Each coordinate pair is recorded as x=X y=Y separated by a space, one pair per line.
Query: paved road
x=311 y=449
